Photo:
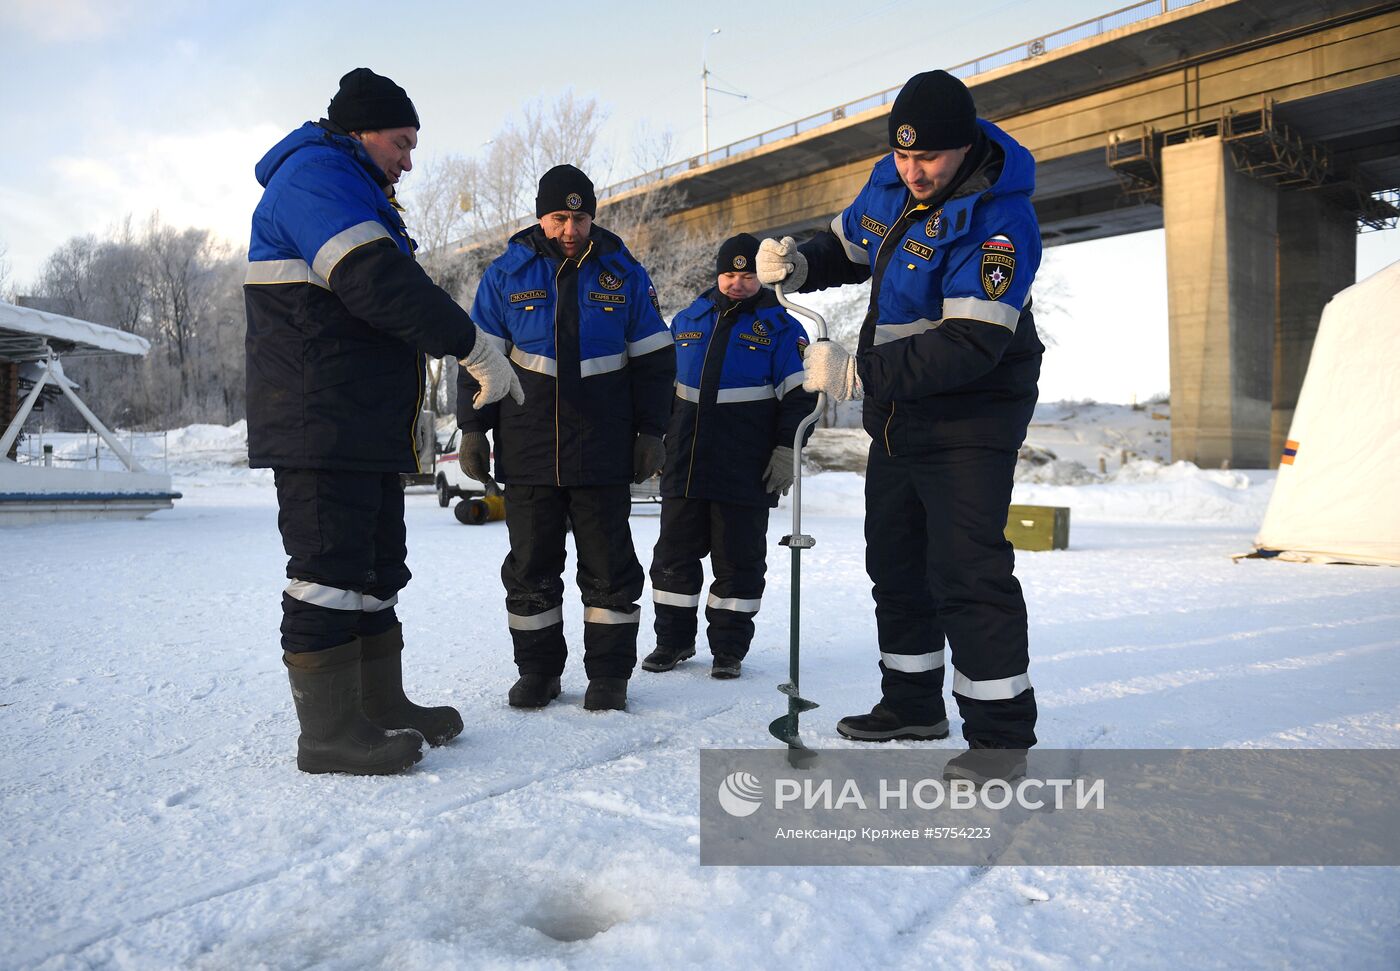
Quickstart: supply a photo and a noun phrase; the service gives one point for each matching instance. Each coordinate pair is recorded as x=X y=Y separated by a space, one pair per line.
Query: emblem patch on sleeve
x=997 y=270
x=608 y=281
x=655 y=303
x=802 y=348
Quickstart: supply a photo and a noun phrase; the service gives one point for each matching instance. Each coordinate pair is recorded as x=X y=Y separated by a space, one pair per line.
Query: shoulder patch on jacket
x=999 y=244
x=934 y=226
x=873 y=225
x=655 y=303
x=524 y=295
x=998 y=267
x=609 y=281
x=802 y=343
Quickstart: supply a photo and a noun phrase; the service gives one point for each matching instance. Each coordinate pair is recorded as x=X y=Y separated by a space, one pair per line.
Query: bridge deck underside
x=1332 y=69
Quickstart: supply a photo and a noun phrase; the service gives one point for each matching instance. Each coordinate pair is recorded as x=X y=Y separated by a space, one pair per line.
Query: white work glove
x=830 y=368
x=777 y=477
x=779 y=262
x=493 y=372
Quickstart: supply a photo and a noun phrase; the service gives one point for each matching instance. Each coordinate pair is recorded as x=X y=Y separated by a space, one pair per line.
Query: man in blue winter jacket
x=578 y=316
x=738 y=402
x=947 y=363
x=340 y=316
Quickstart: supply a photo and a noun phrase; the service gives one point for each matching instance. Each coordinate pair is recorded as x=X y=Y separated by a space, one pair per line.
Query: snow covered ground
x=154 y=816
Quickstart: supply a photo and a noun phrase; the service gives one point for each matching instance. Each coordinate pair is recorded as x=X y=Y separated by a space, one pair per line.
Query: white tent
x=1335 y=497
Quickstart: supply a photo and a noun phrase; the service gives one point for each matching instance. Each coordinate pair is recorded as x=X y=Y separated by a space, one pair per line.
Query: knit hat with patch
x=933 y=111
x=565 y=189
x=737 y=254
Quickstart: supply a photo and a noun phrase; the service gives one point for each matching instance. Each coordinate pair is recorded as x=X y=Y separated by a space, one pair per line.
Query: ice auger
x=785 y=727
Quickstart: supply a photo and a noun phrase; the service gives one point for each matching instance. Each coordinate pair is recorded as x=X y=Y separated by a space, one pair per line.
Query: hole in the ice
x=577 y=917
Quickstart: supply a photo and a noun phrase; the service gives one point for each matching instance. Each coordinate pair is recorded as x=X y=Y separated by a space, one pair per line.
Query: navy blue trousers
x=938 y=556
x=346 y=555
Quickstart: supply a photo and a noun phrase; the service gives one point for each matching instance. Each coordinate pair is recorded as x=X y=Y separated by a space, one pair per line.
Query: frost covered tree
x=181 y=289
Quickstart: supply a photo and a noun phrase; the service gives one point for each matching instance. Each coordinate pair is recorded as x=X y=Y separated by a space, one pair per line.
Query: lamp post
x=705 y=93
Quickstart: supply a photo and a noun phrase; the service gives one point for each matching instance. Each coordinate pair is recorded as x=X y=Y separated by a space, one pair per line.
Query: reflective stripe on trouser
x=735 y=539
x=937 y=554
x=344 y=537
x=609 y=577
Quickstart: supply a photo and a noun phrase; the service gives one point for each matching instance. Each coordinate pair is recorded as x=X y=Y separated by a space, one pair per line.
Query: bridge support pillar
x=1316 y=258
x=1222 y=231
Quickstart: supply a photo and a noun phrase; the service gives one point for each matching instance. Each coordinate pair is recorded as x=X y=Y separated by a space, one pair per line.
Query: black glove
x=648 y=455
x=474 y=456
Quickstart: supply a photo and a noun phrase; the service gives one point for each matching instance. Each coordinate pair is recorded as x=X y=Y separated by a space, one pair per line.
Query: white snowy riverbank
x=154 y=816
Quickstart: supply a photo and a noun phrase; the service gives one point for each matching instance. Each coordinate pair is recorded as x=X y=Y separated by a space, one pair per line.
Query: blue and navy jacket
x=948 y=352
x=593 y=355
x=738 y=396
x=339 y=313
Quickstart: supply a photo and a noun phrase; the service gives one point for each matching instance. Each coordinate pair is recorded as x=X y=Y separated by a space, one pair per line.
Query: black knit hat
x=737 y=254
x=933 y=111
x=369 y=102
x=565 y=188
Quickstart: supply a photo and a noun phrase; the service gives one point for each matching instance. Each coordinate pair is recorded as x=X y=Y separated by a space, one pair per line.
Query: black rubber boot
x=335 y=734
x=381 y=687
x=534 y=691
x=883 y=725
x=606 y=694
x=980 y=765
x=666 y=658
x=726 y=667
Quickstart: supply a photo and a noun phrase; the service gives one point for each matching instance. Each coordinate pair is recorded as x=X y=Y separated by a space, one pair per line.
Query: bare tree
x=680 y=258
x=653 y=148
x=6 y=293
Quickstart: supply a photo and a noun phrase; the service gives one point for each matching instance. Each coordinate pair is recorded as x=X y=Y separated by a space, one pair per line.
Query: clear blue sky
x=116 y=107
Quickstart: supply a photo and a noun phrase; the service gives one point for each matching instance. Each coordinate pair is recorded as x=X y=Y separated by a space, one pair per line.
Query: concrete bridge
x=1260 y=133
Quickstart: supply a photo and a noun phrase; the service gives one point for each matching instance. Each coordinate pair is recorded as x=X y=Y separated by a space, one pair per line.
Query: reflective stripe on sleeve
x=1002 y=689
x=727 y=396
x=736 y=604
x=790 y=383
x=854 y=253
x=534 y=362
x=336 y=248
x=602 y=615
x=675 y=599
x=548 y=618
x=688 y=393
x=320 y=595
x=987 y=311
x=374 y=604
x=662 y=338
x=263 y=272
x=913 y=663
x=885 y=333
x=602 y=365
